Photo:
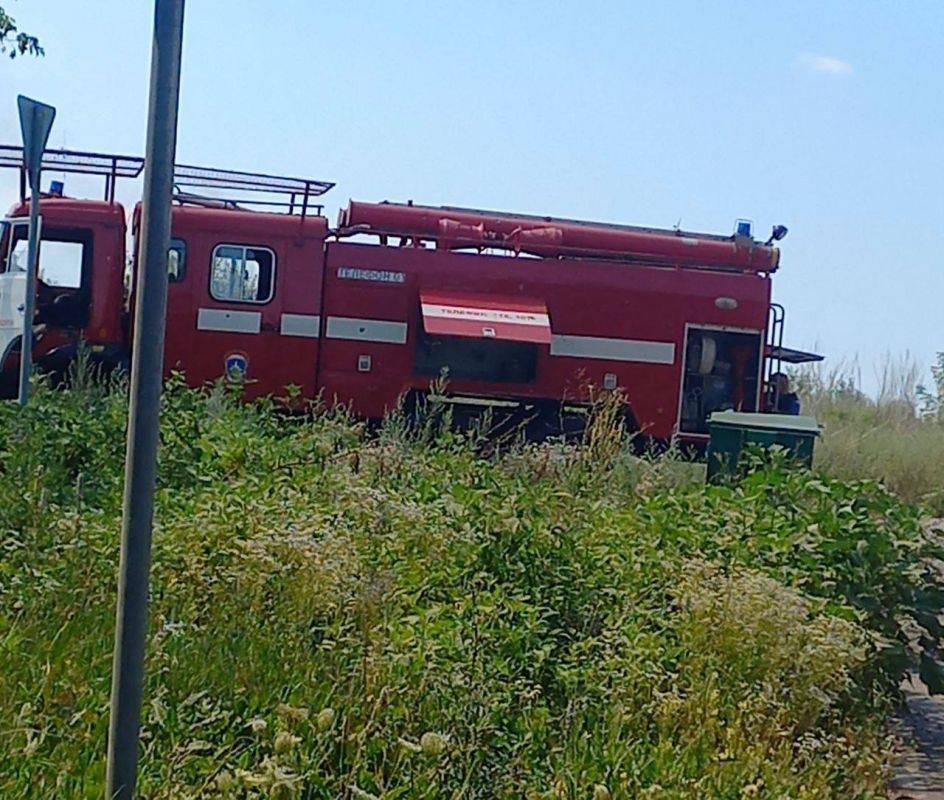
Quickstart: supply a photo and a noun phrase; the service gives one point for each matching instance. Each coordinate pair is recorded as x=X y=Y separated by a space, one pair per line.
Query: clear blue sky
x=826 y=117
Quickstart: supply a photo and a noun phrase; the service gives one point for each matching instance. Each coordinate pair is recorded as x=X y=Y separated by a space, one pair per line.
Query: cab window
x=242 y=274
x=64 y=255
x=176 y=261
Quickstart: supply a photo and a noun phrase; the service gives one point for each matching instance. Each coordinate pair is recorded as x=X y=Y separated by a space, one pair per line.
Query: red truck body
x=526 y=315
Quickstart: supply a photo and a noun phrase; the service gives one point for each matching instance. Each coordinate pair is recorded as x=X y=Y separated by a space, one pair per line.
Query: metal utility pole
x=144 y=403
x=35 y=123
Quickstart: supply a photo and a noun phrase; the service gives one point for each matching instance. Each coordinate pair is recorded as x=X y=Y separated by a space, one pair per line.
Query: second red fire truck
x=523 y=314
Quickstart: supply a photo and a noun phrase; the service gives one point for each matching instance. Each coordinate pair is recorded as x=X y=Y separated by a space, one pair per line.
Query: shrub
x=337 y=614
x=851 y=543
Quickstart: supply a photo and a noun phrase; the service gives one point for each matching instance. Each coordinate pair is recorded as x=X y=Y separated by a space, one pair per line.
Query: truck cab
x=244 y=287
x=79 y=290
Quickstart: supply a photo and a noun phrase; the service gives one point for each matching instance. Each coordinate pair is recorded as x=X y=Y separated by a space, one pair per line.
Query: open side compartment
x=721 y=371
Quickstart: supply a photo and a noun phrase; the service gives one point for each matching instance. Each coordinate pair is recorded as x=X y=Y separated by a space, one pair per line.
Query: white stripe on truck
x=613 y=349
x=217 y=319
x=307 y=325
x=366 y=330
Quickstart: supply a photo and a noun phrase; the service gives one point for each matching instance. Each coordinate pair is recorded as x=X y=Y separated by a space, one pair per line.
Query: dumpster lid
x=780 y=422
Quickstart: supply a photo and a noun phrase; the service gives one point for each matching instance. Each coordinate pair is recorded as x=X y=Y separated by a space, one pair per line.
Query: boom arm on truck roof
x=549 y=237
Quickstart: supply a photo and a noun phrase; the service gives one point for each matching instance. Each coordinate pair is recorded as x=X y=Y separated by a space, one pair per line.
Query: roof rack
x=108 y=165
x=296 y=193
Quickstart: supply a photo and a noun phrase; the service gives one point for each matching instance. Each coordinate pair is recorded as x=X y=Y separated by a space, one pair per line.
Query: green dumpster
x=732 y=431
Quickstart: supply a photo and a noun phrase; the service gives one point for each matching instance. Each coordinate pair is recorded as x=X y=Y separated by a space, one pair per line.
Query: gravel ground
x=918 y=772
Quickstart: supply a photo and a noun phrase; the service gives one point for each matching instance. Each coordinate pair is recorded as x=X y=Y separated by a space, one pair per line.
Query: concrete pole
x=144 y=403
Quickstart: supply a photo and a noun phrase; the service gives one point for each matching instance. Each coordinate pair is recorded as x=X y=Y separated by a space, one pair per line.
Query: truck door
x=237 y=315
x=244 y=299
x=62 y=282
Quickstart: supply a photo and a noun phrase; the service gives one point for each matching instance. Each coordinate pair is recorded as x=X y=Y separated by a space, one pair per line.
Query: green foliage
x=343 y=615
x=15 y=40
x=851 y=543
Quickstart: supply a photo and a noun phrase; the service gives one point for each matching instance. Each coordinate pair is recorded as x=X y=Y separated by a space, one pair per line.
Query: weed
x=896 y=437
x=342 y=615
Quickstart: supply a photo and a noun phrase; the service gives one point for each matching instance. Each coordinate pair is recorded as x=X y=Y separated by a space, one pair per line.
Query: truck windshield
x=14 y=249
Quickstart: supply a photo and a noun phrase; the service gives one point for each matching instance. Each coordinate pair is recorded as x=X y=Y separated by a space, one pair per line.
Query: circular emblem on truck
x=236 y=365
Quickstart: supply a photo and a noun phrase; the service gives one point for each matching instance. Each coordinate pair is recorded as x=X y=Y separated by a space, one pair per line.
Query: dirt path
x=919 y=766
x=918 y=772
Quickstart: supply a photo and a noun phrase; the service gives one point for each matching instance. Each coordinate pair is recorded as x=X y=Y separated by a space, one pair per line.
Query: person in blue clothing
x=783 y=400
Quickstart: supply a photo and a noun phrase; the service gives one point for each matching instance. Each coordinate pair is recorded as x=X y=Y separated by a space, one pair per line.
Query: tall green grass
x=396 y=616
x=896 y=436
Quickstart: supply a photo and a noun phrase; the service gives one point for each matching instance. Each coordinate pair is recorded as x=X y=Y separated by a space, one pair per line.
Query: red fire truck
x=524 y=315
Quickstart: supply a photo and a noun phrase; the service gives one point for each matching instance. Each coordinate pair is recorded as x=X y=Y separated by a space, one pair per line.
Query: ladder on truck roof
x=75 y=162
x=296 y=191
x=243 y=187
